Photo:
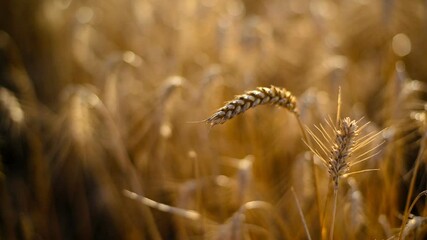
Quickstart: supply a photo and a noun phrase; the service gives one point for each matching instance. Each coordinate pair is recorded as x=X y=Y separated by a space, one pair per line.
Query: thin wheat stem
x=328 y=197
x=198 y=189
x=313 y=167
x=407 y=227
x=301 y=214
x=423 y=193
x=412 y=184
x=334 y=211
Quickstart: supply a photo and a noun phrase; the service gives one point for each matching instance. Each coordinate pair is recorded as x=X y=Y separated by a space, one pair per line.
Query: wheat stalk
x=301 y=213
x=337 y=147
x=336 y=158
x=251 y=99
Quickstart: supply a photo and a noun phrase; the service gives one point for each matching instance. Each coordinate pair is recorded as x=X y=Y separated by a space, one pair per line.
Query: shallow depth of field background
x=105 y=95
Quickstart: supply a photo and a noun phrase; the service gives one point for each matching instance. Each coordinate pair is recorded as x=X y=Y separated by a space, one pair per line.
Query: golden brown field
x=105 y=128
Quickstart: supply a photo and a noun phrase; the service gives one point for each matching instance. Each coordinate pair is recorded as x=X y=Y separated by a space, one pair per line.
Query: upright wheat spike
x=336 y=148
x=251 y=99
x=342 y=149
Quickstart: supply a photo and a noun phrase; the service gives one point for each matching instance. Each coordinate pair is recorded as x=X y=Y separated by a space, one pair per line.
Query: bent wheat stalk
x=408 y=227
x=412 y=185
x=262 y=95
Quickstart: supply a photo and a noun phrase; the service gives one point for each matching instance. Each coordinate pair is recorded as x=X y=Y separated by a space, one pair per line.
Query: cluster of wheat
x=108 y=128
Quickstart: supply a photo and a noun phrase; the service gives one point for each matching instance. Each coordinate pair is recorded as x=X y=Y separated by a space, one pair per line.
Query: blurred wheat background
x=100 y=102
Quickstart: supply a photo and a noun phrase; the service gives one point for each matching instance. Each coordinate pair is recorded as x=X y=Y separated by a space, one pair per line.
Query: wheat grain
x=251 y=99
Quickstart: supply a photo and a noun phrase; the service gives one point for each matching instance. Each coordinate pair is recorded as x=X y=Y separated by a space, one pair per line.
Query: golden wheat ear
x=250 y=99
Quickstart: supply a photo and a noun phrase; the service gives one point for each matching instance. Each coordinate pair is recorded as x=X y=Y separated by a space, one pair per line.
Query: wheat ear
x=251 y=99
x=259 y=96
x=342 y=149
x=336 y=148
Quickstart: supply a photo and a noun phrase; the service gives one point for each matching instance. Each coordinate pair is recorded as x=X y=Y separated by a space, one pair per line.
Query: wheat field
x=213 y=119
